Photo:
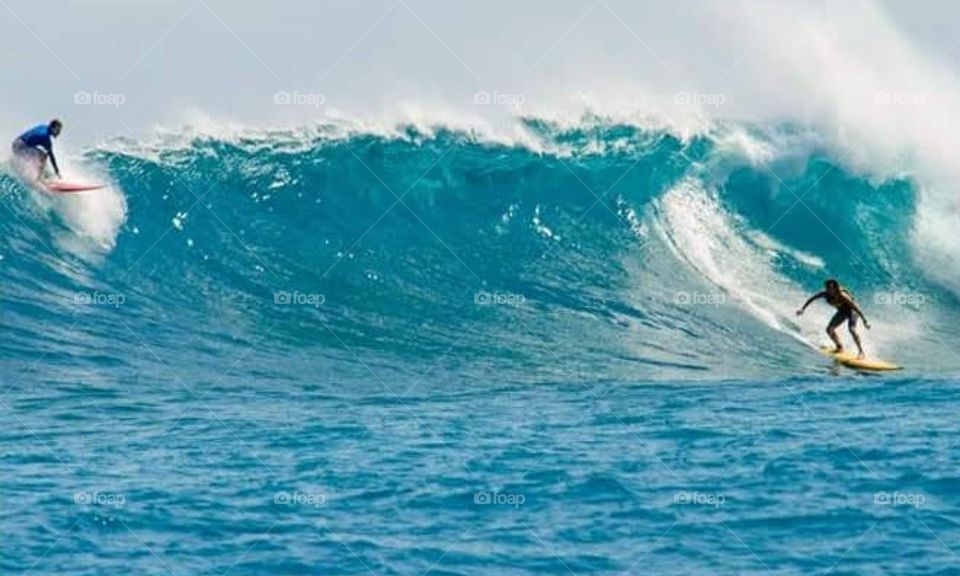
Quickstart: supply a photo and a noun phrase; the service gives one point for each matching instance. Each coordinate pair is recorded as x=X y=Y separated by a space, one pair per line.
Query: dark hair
x=831 y=283
x=55 y=122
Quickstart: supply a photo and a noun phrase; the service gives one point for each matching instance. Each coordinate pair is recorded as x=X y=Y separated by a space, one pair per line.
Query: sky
x=121 y=68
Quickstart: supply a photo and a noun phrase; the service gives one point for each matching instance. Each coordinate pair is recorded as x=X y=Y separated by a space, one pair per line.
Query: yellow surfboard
x=850 y=360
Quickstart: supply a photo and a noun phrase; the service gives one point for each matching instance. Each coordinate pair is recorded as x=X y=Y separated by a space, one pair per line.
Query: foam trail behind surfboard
x=700 y=232
x=94 y=218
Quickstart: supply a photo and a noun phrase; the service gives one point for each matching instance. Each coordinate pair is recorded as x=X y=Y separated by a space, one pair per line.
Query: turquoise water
x=313 y=352
x=273 y=476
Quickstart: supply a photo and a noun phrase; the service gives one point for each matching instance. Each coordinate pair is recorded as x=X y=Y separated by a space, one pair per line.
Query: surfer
x=847 y=311
x=36 y=145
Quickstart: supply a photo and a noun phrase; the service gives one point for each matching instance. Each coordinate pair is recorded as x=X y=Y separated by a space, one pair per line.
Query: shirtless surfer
x=847 y=311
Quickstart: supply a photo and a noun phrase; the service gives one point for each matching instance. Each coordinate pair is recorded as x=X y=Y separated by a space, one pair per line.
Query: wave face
x=605 y=251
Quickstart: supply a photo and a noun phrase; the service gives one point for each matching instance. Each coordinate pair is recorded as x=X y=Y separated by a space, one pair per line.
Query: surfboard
x=68 y=187
x=850 y=360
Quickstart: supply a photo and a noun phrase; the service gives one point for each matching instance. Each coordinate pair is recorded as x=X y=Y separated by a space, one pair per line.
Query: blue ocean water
x=429 y=352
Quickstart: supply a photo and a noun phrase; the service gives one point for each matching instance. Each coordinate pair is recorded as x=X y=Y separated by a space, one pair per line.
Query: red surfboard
x=68 y=187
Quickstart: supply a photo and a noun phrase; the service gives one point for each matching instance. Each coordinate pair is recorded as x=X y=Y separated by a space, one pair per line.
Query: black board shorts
x=844 y=315
x=21 y=149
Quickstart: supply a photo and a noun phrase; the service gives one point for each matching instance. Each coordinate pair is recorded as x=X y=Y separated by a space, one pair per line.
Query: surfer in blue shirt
x=847 y=311
x=36 y=145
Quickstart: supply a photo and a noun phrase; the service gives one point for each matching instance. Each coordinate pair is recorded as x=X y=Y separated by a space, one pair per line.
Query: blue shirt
x=40 y=136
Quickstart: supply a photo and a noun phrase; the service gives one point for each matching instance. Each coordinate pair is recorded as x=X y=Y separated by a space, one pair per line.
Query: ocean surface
x=428 y=350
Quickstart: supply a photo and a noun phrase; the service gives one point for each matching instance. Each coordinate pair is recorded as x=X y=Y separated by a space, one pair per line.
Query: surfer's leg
x=27 y=159
x=837 y=320
x=41 y=160
x=852 y=326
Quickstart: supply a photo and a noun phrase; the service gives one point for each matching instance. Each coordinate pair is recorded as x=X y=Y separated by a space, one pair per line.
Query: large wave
x=595 y=250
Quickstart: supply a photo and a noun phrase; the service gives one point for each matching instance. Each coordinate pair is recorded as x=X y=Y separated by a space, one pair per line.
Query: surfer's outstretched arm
x=53 y=161
x=810 y=301
x=859 y=312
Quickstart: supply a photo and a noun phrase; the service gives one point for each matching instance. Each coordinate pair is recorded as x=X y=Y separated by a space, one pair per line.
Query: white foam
x=775 y=248
x=700 y=233
x=888 y=108
x=94 y=219
x=426 y=121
